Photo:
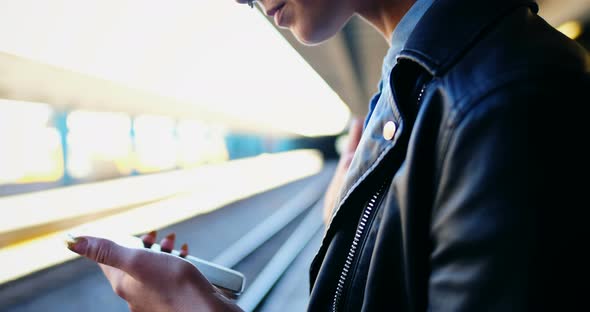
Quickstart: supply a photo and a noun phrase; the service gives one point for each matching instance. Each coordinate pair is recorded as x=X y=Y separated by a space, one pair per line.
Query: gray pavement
x=80 y=286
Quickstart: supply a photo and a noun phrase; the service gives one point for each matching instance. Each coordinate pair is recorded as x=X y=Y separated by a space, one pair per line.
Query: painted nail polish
x=167 y=244
x=76 y=244
x=70 y=240
x=149 y=239
x=184 y=251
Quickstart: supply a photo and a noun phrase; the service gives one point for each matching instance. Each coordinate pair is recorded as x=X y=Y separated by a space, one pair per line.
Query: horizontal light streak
x=212 y=187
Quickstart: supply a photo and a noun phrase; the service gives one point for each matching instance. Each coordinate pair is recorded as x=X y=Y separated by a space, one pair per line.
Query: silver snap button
x=389 y=130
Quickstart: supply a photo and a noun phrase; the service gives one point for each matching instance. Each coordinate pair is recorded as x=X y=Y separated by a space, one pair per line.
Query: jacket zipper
x=421 y=94
x=359 y=236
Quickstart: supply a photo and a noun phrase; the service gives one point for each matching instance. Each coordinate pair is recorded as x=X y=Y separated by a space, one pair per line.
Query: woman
x=435 y=210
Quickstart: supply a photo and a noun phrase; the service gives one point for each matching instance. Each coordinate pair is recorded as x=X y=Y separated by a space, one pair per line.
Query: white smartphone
x=226 y=279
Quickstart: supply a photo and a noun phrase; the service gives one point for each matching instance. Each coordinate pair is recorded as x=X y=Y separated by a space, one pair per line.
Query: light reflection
x=99 y=144
x=156 y=147
x=572 y=29
x=200 y=143
x=30 y=149
x=211 y=187
x=192 y=51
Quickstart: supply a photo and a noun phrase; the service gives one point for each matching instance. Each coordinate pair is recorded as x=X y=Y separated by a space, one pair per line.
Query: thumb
x=103 y=251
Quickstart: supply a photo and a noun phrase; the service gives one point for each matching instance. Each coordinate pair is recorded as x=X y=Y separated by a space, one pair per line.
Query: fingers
x=354 y=135
x=167 y=243
x=184 y=251
x=149 y=239
x=126 y=259
x=148 y=280
x=104 y=251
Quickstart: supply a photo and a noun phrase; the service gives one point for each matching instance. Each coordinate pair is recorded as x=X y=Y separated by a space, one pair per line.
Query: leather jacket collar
x=402 y=33
x=449 y=27
x=441 y=35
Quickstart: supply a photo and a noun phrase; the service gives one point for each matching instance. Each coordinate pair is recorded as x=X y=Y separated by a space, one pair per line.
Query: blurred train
x=42 y=148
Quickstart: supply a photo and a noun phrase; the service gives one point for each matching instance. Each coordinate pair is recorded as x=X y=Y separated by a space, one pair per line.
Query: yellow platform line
x=216 y=187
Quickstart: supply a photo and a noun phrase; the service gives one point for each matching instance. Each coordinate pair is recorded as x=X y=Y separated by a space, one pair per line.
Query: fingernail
x=184 y=251
x=167 y=244
x=149 y=239
x=77 y=244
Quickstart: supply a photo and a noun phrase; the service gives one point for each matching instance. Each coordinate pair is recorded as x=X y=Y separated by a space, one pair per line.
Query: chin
x=309 y=40
x=311 y=36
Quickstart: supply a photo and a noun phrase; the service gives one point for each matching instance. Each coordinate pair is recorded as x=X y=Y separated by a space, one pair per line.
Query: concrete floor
x=80 y=286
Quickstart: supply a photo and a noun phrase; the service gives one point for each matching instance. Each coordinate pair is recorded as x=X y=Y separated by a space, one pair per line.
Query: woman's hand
x=152 y=281
x=334 y=189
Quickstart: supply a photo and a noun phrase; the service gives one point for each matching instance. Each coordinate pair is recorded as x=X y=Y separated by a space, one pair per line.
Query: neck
x=384 y=15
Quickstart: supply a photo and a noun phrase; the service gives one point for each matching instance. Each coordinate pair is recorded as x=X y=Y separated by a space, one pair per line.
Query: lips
x=275 y=9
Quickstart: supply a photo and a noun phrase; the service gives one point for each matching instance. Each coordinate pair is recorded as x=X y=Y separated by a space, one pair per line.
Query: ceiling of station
x=351 y=61
x=157 y=60
x=190 y=60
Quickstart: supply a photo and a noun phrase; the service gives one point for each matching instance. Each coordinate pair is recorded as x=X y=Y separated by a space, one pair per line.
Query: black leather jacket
x=437 y=211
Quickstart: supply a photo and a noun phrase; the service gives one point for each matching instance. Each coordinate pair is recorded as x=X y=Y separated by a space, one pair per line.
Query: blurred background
x=197 y=117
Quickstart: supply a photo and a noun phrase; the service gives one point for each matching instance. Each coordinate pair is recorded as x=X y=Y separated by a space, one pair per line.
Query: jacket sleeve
x=482 y=224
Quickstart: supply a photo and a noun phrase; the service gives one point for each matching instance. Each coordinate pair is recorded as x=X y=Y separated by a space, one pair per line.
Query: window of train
x=41 y=145
x=30 y=147
x=99 y=145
